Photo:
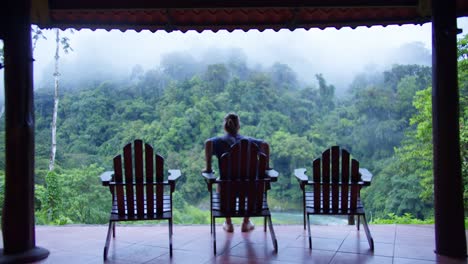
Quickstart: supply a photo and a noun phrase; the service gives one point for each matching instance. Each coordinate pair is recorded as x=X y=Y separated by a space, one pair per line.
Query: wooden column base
x=34 y=254
x=460 y=257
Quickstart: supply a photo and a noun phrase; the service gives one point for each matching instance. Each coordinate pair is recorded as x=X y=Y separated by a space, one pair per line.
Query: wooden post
x=18 y=211
x=448 y=186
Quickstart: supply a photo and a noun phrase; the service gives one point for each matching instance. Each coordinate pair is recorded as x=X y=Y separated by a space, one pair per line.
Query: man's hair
x=232 y=123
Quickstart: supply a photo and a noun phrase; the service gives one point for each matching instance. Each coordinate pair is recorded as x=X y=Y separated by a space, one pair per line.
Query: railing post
x=448 y=186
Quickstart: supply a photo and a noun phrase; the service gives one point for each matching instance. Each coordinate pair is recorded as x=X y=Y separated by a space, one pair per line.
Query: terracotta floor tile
x=335 y=232
x=95 y=247
x=304 y=255
x=325 y=243
x=204 y=244
x=112 y=261
x=411 y=261
x=69 y=257
x=362 y=247
x=181 y=256
x=317 y=243
x=413 y=239
x=136 y=253
x=390 y=228
x=379 y=235
x=415 y=252
x=347 y=258
x=253 y=251
x=227 y=259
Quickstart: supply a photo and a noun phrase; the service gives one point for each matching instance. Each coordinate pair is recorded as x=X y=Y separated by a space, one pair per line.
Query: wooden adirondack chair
x=334 y=188
x=244 y=180
x=138 y=188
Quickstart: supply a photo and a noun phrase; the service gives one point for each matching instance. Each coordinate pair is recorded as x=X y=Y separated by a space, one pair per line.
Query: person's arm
x=208 y=155
x=265 y=148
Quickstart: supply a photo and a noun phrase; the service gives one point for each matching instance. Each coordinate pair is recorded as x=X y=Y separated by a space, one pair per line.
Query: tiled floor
x=398 y=244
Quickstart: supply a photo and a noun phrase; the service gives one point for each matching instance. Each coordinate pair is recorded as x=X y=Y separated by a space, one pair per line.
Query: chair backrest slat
x=317 y=180
x=326 y=180
x=354 y=181
x=251 y=185
x=241 y=169
x=159 y=160
x=120 y=189
x=128 y=165
x=225 y=190
x=344 y=179
x=138 y=159
x=335 y=177
x=260 y=183
x=235 y=170
x=149 y=165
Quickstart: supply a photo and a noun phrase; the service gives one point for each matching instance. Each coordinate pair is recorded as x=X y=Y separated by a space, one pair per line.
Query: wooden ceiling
x=230 y=15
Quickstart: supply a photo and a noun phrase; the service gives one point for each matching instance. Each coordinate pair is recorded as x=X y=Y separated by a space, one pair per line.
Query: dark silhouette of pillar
x=18 y=212
x=448 y=185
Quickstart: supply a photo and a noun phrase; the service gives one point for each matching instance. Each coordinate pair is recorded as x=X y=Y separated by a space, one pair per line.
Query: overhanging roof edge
x=245 y=18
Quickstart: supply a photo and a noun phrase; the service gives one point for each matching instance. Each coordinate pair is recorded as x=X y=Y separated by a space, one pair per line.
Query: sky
x=337 y=54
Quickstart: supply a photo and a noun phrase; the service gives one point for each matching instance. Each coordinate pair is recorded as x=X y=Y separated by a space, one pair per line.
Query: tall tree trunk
x=53 y=148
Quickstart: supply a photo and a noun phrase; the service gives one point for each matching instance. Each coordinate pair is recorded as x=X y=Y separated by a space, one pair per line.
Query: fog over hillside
x=337 y=54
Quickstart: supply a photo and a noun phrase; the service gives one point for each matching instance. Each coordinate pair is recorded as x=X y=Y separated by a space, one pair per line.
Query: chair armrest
x=366 y=176
x=106 y=177
x=300 y=175
x=174 y=175
x=209 y=176
x=273 y=174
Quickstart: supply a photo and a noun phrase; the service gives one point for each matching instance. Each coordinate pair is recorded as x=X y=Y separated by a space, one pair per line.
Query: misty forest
x=383 y=119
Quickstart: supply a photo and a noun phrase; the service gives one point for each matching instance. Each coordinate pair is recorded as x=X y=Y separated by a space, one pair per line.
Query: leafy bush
x=404 y=219
x=73 y=196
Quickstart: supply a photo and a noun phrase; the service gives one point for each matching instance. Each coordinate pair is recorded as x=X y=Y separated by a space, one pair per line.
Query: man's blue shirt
x=222 y=144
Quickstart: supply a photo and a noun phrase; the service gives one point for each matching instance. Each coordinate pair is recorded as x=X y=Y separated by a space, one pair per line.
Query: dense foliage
x=384 y=120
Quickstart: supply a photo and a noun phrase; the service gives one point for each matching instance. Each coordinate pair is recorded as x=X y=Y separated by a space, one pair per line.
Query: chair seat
x=310 y=209
x=217 y=213
x=166 y=212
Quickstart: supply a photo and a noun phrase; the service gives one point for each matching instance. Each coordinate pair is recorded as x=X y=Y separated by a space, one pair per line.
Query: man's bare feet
x=247 y=226
x=228 y=227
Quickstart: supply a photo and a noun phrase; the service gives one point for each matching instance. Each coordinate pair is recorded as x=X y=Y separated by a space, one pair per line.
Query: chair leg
x=211 y=212
x=272 y=233
x=211 y=222
x=264 y=223
x=368 y=234
x=106 y=247
x=304 y=208
x=170 y=237
x=213 y=227
x=358 y=222
x=113 y=229
x=308 y=231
